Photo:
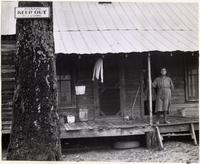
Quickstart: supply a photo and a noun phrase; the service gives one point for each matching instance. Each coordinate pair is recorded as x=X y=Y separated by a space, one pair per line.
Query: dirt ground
x=173 y=152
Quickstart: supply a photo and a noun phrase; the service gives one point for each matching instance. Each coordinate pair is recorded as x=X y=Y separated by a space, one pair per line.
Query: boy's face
x=163 y=72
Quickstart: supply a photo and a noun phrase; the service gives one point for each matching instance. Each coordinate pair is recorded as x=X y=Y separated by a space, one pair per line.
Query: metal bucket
x=83 y=114
x=80 y=90
x=71 y=119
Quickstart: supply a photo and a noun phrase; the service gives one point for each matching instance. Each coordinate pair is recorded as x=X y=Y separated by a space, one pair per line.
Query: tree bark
x=35 y=133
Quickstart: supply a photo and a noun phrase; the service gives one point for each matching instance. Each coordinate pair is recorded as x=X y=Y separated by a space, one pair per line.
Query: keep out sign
x=32 y=12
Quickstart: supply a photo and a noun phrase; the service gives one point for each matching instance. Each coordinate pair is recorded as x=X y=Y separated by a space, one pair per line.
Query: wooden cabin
x=129 y=39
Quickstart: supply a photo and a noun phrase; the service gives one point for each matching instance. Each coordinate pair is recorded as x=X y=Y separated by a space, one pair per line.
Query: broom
x=135 y=98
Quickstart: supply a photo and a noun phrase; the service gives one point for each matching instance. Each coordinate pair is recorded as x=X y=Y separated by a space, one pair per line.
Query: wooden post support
x=141 y=95
x=150 y=90
x=122 y=87
x=159 y=138
x=193 y=134
x=96 y=99
x=151 y=139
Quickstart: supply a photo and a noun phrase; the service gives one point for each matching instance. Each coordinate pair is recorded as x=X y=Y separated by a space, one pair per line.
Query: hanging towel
x=98 y=70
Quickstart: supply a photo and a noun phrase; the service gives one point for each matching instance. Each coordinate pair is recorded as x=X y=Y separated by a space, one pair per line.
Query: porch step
x=160 y=135
x=176 y=134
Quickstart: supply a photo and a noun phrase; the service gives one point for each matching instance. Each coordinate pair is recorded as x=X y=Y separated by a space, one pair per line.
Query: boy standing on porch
x=164 y=86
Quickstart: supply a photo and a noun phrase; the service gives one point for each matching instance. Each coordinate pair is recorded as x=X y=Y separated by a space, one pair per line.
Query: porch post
x=150 y=89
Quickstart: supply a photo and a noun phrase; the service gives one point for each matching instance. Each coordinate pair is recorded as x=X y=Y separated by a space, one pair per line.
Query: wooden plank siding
x=130 y=79
x=132 y=68
x=85 y=77
x=8 y=49
x=175 y=65
x=132 y=75
x=81 y=69
x=175 y=69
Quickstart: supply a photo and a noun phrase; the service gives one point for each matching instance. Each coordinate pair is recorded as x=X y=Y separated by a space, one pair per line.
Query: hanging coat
x=98 y=70
x=164 y=87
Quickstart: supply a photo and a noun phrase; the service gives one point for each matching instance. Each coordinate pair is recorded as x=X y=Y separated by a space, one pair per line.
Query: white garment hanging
x=98 y=70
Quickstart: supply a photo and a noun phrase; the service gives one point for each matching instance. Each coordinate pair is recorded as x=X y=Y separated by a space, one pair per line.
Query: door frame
x=122 y=95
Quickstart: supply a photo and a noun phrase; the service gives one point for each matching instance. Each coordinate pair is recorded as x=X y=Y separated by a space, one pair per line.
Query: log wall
x=8 y=50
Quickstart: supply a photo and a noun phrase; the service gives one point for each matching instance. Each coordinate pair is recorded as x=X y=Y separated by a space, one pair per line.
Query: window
x=64 y=90
x=192 y=83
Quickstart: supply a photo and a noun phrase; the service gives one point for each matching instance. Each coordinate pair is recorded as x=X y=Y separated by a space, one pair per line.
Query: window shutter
x=192 y=84
x=64 y=90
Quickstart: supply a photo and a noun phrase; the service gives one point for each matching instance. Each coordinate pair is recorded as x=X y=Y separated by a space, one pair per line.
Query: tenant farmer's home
x=132 y=41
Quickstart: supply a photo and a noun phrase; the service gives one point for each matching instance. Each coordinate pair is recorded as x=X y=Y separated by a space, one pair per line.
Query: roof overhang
x=119 y=27
x=125 y=27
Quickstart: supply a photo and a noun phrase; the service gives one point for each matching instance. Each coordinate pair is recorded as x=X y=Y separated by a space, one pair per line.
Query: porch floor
x=118 y=127
x=177 y=120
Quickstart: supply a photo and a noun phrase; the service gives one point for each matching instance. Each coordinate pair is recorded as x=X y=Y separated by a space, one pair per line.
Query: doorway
x=109 y=90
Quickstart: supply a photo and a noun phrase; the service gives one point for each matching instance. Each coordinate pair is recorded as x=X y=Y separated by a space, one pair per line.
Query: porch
x=119 y=127
x=125 y=52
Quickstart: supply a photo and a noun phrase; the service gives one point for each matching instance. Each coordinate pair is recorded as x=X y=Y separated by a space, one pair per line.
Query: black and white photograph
x=100 y=81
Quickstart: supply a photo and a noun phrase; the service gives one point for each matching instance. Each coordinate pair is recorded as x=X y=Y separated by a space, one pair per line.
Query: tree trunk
x=35 y=133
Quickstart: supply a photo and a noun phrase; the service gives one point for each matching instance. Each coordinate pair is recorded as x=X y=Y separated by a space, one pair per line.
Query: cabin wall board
x=85 y=78
x=8 y=50
x=175 y=66
x=175 y=69
x=132 y=71
x=81 y=70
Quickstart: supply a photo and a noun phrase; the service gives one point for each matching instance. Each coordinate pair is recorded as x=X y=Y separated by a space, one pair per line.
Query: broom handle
x=134 y=101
